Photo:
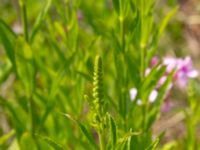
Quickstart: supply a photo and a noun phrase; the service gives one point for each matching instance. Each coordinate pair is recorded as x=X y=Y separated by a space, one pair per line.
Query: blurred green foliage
x=47 y=56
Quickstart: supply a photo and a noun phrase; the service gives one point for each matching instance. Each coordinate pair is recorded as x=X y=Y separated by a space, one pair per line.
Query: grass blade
x=84 y=131
x=40 y=19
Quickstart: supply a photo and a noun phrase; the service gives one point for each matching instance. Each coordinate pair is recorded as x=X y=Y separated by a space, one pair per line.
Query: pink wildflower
x=185 y=71
x=154 y=61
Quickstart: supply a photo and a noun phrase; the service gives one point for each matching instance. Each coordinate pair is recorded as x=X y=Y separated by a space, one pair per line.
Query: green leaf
x=25 y=65
x=129 y=142
x=116 y=5
x=84 y=75
x=170 y=146
x=40 y=19
x=51 y=142
x=165 y=21
x=13 y=113
x=6 y=137
x=150 y=82
x=84 y=131
x=153 y=145
x=7 y=37
x=127 y=135
x=27 y=142
x=5 y=71
x=14 y=145
x=113 y=131
x=164 y=88
x=7 y=28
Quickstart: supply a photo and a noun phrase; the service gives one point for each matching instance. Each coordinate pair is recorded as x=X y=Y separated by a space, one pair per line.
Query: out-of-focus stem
x=102 y=141
x=24 y=21
x=142 y=62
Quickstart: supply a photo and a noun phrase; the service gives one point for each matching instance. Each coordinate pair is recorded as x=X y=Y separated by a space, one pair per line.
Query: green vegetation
x=67 y=68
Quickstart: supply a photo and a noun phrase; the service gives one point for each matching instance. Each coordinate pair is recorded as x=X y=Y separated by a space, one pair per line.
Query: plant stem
x=124 y=73
x=144 y=111
x=101 y=141
x=24 y=21
x=31 y=115
x=142 y=63
x=122 y=34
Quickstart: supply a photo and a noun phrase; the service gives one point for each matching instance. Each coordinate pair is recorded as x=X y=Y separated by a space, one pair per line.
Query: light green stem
x=25 y=22
x=102 y=141
x=142 y=63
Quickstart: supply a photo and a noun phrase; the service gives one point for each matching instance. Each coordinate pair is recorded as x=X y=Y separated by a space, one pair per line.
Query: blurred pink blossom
x=167 y=105
x=154 y=61
x=80 y=15
x=183 y=72
x=170 y=63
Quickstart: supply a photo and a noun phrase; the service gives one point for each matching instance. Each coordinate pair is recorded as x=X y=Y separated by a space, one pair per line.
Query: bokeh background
x=181 y=39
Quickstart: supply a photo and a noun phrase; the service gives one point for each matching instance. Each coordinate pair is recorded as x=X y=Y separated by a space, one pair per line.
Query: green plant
x=46 y=70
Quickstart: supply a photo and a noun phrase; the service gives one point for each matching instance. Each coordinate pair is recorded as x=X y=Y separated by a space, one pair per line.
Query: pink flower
x=154 y=61
x=170 y=63
x=184 y=72
x=167 y=105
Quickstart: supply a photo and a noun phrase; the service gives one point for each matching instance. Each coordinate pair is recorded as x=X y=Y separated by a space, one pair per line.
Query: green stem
x=31 y=116
x=144 y=117
x=142 y=63
x=102 y=141
x=123 y=77
x=25 y=22
x=122 y=34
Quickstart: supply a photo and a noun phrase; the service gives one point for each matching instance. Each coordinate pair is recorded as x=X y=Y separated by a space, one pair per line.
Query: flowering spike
x=98 y=86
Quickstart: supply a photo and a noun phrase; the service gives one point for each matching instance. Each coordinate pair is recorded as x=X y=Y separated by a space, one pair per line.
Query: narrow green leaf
x=165 y=21
x=7 y=38
x=5 y=71
x=7 y=136
x=8 y=29
x=116 y=5
x=153 y=145
x=40 y=19
x=84 y=75
x=113 y=131
x=84 y=131
x=51 y=142
x=27 y=142
x=25 y=65
x=127 y=135
x=129 y=142
x=163 y=89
